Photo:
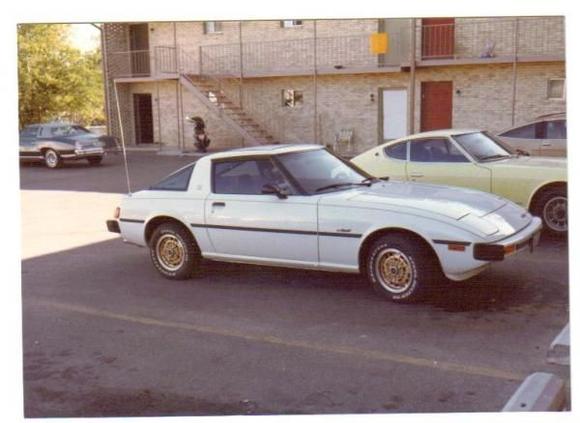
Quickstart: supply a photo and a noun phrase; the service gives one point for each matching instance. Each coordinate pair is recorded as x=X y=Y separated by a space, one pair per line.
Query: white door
x=394 y=113
x=242 y=222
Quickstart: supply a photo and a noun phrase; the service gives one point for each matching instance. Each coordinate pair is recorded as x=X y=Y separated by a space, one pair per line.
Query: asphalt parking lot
x=106 y=335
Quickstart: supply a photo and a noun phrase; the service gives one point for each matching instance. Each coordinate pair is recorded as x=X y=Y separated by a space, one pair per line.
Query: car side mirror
x=274 y=189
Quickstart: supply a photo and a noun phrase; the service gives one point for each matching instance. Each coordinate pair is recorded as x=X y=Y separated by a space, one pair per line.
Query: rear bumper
x=83 y=154
x=528 y=238
x=113 y=226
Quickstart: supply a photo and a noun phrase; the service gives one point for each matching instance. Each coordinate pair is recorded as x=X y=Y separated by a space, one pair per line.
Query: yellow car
x=478 y=160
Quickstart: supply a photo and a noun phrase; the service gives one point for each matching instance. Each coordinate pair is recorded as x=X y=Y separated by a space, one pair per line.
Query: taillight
x=117 y=212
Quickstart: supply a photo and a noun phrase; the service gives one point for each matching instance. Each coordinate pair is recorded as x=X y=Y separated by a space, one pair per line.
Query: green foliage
x=56 y=80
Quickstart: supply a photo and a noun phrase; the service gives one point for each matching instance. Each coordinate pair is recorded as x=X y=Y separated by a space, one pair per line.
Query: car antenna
x=122 y=138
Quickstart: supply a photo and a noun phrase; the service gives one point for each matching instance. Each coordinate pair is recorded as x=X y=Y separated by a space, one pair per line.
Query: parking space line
x=274 y=340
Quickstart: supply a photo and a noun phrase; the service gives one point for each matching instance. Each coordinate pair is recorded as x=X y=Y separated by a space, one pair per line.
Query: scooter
x=200 y=138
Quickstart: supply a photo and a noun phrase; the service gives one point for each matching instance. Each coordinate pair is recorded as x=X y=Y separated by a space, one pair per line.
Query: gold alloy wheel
x=170 y=252
x=394 y=270
x=556 y=214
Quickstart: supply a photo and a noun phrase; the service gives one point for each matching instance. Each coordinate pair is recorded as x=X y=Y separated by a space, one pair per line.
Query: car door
x=554 y=141
x=242 y=222
x=441 y=161
x=28 y=142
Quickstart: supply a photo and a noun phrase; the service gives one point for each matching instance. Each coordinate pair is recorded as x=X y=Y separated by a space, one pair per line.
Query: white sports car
x=302 y=206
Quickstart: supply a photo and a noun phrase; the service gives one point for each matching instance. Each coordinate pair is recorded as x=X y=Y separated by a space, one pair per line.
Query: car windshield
x=483 y=146
x=318 y=171
x=68 y=131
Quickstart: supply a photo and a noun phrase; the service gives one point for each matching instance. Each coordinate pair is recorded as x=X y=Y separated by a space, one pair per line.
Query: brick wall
x=482 y=98
x=340 y=42
x=535 y=36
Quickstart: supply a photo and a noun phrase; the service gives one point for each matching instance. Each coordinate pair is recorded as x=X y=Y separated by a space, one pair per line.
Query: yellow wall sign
x=379 y=43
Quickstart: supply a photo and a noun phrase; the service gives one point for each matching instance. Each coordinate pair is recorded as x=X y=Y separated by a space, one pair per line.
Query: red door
x=436 y=105
x=437 y=38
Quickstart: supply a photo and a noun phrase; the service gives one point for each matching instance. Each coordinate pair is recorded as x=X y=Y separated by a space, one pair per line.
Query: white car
x=302 y=206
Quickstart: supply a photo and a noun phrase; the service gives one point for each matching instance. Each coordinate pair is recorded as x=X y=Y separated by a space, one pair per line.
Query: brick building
x=306 y=80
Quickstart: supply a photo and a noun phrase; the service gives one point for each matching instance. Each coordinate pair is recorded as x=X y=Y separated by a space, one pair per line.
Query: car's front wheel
x=52 y=159
x=552 y=207
x=174 y=252
x=401 y=268
x=94 y=161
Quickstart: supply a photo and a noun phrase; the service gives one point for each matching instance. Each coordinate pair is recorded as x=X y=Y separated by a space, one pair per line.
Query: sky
x=85 y=37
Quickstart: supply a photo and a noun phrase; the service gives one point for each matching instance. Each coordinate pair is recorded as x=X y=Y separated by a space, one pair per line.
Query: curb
x=538 y=392
x=559 y=352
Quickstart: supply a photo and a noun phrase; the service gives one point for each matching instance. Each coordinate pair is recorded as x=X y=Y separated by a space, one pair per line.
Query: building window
x=557 y=88
x=291 y=98
x=212 y=27
x=290 y=23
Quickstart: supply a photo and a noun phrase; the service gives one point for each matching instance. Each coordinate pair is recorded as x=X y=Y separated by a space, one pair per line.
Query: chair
x=343 y=141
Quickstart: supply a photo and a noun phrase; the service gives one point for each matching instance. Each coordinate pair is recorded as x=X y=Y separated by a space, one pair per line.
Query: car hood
x=480 y=212
x=530 y=162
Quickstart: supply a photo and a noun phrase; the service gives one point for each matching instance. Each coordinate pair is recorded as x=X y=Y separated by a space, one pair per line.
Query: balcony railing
x=136 y=63
x=499 y=38
x=465 y=40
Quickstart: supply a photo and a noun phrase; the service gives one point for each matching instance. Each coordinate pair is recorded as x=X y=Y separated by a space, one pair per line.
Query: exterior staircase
x=208 y=90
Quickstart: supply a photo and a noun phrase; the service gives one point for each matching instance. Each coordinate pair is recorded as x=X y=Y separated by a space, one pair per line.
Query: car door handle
x=218 y=204
x=416 y=175
x=546 y=144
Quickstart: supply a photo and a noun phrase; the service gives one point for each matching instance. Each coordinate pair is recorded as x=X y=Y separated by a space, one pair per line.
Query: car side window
x=29 y=132
x=247 y=177
x=178 y=181
x=527 y=131
x=556 y=130
x=439 y=150
x=397 y=151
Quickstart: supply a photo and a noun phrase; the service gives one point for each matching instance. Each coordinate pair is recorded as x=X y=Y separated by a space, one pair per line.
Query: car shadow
x=145 y=168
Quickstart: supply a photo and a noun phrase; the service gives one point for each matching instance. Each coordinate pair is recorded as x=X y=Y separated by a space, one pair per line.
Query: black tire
x=408 y=260
x=176 y=241
x=94 y=161
x=552 y=207
x=51 y=159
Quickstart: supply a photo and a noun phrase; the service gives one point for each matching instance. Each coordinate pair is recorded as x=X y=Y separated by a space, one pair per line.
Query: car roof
x=266 y=150
x=50 y=124
x=541 y=118
x=436 y=133
x=550 y=116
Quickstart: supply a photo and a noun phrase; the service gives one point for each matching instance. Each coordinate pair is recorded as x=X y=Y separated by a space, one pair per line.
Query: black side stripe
x=278 y=231
x=131 y=220
x=445 y=241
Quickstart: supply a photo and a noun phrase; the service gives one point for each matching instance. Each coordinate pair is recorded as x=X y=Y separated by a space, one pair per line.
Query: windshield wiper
x=343 y=184
x=370 y=180
x=367 y=182
x=493 y=157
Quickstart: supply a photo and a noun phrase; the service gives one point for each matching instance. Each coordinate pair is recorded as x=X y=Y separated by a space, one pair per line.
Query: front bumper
x=528 y=238
x=113 y=226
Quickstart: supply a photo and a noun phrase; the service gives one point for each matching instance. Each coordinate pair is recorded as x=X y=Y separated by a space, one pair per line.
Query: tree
x=56 y=80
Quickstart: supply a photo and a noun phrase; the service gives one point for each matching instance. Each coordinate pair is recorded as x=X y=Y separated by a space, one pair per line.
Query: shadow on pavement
x=62 y=378
x=145 y=168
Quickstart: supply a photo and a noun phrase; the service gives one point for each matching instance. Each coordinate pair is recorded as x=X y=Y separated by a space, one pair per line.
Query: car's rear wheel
x=174 y=252
x=52 y=159
x=94 y=161
x=552 y=207
x=401 y=268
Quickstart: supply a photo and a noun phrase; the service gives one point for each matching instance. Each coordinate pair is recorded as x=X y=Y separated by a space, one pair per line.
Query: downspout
x=180 y=141
x=412 y=77
x=515 y=71
x=104 y=65
x=315 y=86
